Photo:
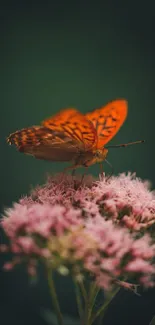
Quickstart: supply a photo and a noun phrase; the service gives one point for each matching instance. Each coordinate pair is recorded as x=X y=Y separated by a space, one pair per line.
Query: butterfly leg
x=67 y=169
x=83 y=176
x=74 y=180
x=73 y=168
x=76 y=184
x=63 y=179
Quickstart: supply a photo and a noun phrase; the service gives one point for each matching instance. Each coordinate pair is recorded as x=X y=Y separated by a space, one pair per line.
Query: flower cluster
x=95 y=227
x=125 y=199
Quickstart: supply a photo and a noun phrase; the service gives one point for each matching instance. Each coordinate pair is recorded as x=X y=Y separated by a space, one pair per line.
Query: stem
x=78 y=299
x=93 y=291
x=89 y=303
x=54 y=297
x=105 y=305
x=88 y=310
x=83 y=291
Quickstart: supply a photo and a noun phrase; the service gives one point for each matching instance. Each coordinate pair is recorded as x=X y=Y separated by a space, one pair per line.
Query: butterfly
x=72 y=136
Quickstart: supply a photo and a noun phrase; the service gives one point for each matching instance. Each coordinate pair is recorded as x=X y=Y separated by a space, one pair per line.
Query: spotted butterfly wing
x=40 y=143
x=107 y=120
x=76 y=126
x=56 y=140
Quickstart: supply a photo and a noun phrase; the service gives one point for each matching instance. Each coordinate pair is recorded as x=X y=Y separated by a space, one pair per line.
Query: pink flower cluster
x=125 y=199
x=84 y=228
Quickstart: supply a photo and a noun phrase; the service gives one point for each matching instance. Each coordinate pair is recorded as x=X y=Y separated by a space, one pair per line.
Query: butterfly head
x=99 y=155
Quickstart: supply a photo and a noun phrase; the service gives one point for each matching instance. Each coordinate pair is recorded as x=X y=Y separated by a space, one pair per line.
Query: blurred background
x=79 y=54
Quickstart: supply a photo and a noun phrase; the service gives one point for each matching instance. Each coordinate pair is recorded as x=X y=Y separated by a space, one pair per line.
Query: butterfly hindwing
x=107 y=120
x=44 y=144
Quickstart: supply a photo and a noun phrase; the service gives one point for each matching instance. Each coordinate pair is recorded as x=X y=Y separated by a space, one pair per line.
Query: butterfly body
x=89 y=158
x=72 y=136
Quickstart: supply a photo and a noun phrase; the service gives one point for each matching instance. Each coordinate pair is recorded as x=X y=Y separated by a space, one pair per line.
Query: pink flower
x=90 y=228
x=125 y=199
x=37 y=218
x=139 y=265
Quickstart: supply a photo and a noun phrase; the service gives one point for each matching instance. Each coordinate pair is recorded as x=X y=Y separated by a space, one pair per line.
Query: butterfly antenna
x=125 y=144
x=112 y=169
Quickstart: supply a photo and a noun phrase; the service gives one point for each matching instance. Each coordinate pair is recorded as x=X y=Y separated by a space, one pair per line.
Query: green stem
x=89 y=303
x=88 y=310
x=54 y=296
x=83 y=291
x=105 y=305
x=78 y=299
x=91 y=300
x=94 y=292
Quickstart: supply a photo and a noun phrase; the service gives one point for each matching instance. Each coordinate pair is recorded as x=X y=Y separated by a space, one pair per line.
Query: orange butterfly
x=72 y=136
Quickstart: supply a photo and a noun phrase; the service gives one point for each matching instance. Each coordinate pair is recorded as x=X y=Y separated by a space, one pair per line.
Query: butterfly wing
x=60 y=139
x=74 y=125
x=41 y=143
x=108 y=119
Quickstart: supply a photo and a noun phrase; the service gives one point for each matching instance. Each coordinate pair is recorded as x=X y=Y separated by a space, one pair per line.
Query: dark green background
x=80 y=54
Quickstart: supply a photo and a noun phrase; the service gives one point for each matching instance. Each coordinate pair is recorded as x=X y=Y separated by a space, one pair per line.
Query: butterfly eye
x=98 y=153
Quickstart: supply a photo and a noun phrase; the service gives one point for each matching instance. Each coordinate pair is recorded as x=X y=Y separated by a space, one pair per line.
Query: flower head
x=90 y=228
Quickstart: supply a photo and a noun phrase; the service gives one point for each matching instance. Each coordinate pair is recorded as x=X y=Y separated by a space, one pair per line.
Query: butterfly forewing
x=74 y=125
x=107 y=120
